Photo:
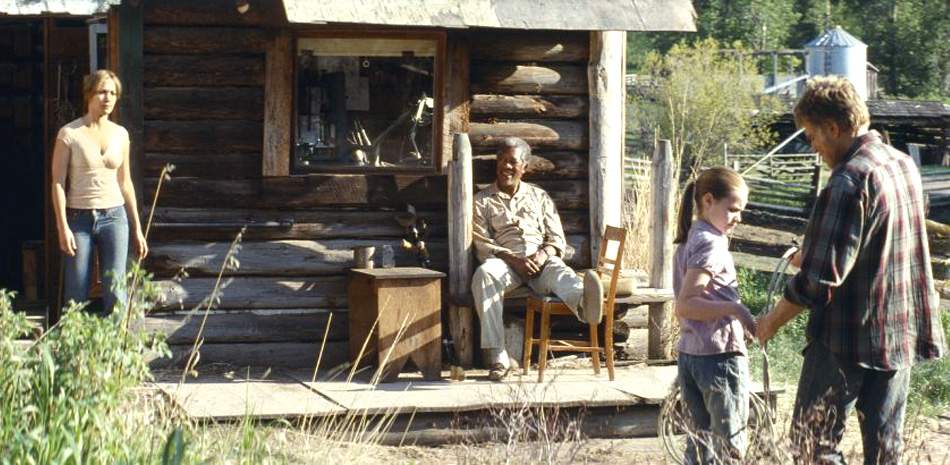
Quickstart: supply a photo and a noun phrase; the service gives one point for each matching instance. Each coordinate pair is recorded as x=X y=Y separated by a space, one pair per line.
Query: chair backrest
x=614 y=263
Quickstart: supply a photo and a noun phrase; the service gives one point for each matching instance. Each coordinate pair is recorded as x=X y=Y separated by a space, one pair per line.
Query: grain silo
x=838 y=53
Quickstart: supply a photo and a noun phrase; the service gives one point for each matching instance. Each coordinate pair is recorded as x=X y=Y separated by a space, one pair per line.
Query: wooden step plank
x=261 y=354
x=247 y=327
x=323 y=292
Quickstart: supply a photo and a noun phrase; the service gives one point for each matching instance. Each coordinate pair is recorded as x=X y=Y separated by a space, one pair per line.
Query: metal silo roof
x=835 y=37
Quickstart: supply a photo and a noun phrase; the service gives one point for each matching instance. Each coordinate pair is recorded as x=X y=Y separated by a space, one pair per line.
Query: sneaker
x=592 y=307
x=498 y=372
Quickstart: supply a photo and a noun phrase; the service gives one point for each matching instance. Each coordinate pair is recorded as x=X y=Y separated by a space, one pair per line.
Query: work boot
x=592 y=307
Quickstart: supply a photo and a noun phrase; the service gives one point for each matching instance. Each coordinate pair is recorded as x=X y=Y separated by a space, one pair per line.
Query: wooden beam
x=486 y=106
x=509 y=78
x=278 y=106
x=456 y=97
x=461 y=259
x=240 y=165
x=204 y=40
x=204 y=70
x=530 y=46
x=243 y=327
x=214 y=13
x=607 y=132
x=663 y=205
x=203 y=136
x=129 y=68
x=258 y=354
x=239 y=293
x=540 y=134
x=542 y=166
x=204 y=103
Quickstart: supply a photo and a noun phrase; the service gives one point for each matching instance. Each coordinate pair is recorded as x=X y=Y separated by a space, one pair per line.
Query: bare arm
x=131 y=205
x=771 y=322
x=67 y=242
x=692 y=305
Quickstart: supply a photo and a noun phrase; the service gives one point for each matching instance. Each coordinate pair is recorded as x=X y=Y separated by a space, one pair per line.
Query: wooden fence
x=782 y=183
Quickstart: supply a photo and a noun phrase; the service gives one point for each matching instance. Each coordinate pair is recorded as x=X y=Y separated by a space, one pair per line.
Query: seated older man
x=519 y=239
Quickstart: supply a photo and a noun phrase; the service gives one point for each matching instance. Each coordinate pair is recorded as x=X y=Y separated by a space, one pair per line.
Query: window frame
x=438 y=82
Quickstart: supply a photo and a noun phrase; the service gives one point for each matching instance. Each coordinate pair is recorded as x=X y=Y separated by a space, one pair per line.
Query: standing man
x=866 y=280
x=519 y=239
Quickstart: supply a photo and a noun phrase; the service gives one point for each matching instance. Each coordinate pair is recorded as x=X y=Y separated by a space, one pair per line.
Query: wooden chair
x=551 y=305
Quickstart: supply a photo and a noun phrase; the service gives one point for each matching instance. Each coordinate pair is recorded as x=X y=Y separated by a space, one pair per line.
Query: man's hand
x=771 y=322
x=525 y=267
x=539 y=258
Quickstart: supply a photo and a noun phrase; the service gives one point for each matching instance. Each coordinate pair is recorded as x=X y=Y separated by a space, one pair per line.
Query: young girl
x=713 y=368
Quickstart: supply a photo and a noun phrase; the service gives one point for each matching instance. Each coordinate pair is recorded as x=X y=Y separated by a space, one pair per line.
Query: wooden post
x=663 y=203
x=278 y=106
x=607 y=96
x=461 y=263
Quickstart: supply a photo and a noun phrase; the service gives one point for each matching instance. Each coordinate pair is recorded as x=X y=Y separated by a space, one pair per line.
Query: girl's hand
x=67 y=242
x=745 y=317
x=141 y=247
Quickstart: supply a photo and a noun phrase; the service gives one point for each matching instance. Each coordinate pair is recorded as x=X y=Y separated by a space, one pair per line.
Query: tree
x=701 y=98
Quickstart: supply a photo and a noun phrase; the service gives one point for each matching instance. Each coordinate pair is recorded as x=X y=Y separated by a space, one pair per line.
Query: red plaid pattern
x=866 y=273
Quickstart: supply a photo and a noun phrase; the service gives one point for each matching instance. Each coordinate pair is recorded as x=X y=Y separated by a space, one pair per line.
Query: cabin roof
x=594 y=15
x=67 y=7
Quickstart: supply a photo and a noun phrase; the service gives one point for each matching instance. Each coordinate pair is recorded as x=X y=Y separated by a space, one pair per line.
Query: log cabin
x=313 y=124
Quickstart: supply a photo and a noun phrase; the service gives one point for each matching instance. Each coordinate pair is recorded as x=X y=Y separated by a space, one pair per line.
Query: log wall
x=204 y=98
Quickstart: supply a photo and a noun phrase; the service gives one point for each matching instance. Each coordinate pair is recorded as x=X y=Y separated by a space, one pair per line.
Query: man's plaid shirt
x=865 y=272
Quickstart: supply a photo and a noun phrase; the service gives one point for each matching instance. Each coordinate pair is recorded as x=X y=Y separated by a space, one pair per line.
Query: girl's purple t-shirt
x=706 y=248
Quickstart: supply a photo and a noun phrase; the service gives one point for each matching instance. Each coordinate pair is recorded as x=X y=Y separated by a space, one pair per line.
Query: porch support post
x=461 y=263
x=662 y=193
x=605 y=75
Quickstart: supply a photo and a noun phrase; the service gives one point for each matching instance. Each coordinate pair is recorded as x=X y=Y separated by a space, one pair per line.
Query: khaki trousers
x=494 y=278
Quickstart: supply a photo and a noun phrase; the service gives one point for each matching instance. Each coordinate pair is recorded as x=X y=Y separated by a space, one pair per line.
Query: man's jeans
x=828 y=390
x=108 y=230
x=715 y=389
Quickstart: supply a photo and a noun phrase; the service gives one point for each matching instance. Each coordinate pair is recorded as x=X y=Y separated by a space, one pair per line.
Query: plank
x=528 y=106
x=300 y=257
x=216 y=397
x=204 y=103
x=203 y=136
x=223 y=224
x=541 y=166
x=214 y=12
x=500 y=78
x=204 y=40
x=203 y=70
x=277 y=258
x=566 y=194
x=278 y=106
x=324 y=292
x=531 y=46
x=540 y=134
x=259 y=354
x=245 y=327
x=301 y=192
x=240 y=165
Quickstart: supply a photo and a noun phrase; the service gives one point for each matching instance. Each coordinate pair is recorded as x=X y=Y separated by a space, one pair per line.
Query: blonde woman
x=93 y=197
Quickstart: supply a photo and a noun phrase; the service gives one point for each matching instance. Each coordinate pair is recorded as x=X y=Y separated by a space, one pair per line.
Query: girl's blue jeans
x=715 y=389
x=108 y=230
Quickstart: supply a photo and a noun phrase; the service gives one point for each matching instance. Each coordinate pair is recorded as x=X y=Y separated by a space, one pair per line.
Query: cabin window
x=366 y=104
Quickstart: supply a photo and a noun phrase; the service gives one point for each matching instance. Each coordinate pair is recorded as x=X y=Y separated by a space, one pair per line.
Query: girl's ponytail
x=685 y=219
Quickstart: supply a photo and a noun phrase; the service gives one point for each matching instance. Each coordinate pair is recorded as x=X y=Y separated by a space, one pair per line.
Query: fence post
x=725 y=154
x=663 y=195
x=815 y=186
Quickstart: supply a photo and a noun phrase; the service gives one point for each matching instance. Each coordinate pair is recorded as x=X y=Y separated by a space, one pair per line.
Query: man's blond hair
x=831 y=99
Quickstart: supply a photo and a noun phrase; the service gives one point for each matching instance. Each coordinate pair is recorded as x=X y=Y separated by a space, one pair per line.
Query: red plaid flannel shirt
x=866 y=273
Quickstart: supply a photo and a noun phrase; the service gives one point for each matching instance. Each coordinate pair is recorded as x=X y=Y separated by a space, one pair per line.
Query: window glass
x=364 y=103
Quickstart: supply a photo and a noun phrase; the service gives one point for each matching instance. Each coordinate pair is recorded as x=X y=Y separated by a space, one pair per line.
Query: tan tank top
x=92 y=180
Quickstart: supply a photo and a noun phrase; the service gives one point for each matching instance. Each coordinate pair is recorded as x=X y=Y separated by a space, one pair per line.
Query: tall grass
x=929 y=382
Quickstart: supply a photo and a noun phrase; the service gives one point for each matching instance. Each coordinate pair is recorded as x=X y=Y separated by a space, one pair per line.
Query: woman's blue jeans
x=108 y=230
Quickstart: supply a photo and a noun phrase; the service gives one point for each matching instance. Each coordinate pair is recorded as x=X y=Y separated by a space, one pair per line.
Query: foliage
x=908 y=40
x=700 y=99
x=929 y=383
